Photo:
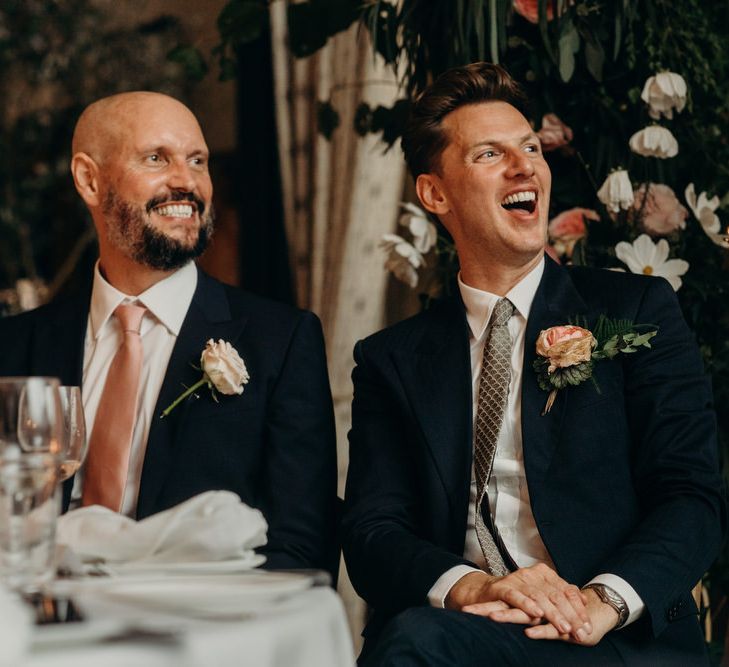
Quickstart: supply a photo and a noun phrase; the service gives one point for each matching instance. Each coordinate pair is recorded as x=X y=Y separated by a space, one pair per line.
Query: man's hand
x=531 y=595
x=603 y=618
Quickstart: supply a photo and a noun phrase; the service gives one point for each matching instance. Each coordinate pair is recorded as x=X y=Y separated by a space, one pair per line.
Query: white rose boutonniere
x=566 y=353
x=223 y=370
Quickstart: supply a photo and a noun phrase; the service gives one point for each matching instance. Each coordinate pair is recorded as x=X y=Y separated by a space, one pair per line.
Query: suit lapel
x=437 y=381
x=208 y=317
x=556 y=302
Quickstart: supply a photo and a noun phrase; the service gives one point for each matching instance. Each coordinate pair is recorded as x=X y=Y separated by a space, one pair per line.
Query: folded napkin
x=15 y=629
x=213 y=526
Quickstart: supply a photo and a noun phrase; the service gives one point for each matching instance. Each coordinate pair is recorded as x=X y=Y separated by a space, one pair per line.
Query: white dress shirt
x=167 y=303
x=508 y=491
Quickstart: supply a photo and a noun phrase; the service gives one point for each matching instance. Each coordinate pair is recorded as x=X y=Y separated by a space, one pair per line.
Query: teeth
x=527 y=195
x=175 y=210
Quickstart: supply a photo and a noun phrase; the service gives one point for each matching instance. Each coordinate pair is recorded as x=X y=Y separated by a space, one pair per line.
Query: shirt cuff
x=440 y=589
x=636 y=606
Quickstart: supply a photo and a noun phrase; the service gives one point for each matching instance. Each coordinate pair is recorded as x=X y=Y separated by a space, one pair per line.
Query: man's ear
x=431 y=195
x=85 y=173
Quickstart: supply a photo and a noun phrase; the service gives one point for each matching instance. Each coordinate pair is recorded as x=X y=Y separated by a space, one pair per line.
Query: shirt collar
x=168 y=300
x=479 y=303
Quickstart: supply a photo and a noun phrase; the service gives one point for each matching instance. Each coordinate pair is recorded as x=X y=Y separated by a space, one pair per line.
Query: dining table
x=191 y=619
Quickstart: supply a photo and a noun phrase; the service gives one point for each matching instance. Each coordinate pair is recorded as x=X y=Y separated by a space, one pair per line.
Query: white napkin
x=213 y=526
x=15 y=629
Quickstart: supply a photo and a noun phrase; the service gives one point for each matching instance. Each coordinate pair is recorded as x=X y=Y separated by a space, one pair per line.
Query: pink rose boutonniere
x=566 y=354
x=223 y=370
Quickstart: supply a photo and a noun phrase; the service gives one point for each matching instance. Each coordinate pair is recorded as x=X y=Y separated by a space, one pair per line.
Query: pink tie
x=111 y=437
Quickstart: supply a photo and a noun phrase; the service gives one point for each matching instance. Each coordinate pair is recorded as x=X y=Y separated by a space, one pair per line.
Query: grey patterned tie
x=493 y=390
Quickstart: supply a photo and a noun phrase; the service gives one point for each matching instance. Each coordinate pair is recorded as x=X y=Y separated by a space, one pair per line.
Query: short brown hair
x=424 y=139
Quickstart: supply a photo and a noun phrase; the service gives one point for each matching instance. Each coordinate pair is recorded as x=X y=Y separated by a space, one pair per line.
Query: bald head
x=104 y=124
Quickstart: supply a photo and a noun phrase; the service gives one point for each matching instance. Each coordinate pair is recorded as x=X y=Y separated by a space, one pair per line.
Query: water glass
x=30 y=442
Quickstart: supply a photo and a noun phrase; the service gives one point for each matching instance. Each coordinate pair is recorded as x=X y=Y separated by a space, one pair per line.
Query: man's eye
x=153 y=158
x=488 y=154
x=532 y=148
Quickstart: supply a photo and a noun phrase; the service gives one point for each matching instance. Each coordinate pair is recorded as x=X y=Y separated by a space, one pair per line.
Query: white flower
x=663 y=93
x=423 y=230
x=644 y=256
x=616 y=192
x=703 y=209
x=654 y=141
x=224 y=367
x=403 y=259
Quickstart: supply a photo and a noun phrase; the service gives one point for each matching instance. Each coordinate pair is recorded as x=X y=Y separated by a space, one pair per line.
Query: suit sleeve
x=391 y=566
x=301 y=465
x=675 y=470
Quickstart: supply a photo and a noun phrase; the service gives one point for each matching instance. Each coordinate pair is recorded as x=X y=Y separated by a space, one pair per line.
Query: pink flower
x=529 y=9
x=569 y=227
x=565 y=346
x=554 y=133
x=662 y=213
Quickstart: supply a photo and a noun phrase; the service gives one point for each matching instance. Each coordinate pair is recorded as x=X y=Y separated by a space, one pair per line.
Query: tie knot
x=503 y=310
x=130 y=317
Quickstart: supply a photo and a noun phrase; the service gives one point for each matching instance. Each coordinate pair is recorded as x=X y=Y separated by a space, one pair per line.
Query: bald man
x=140 y=163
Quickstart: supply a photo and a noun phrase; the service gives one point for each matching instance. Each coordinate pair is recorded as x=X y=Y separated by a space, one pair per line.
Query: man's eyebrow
x=498 y=142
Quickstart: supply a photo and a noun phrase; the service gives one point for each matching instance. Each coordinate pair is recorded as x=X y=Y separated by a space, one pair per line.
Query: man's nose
x=520 y=164
x=181 y=177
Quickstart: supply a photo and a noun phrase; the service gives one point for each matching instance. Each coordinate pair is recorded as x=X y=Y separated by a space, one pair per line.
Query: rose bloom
x=529 y=9
x=224 y=368
x=554 y=133
x=663 y=214
x=568 y=227
x=565 y=346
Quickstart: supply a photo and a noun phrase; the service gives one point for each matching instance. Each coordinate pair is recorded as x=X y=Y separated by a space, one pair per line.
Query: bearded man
x=134 y=339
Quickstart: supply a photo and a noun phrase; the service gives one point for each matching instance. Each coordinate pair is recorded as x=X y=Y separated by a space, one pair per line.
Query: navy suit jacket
x=624 y=480
x=274 y=445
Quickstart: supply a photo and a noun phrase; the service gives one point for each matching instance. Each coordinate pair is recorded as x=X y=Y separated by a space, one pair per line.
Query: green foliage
x=55 y=58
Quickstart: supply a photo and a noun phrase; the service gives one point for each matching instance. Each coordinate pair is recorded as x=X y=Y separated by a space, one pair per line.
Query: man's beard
x=128 y=230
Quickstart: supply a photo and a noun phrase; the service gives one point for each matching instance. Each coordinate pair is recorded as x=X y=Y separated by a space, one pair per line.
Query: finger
x=485 y=608
x=569 y=603
x=513 y=616
x=546 y=631
x=519 y=600
x=552 y=613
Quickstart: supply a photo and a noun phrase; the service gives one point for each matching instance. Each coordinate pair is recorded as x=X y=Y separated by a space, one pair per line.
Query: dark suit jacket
x=274 y=445
x=624 y=480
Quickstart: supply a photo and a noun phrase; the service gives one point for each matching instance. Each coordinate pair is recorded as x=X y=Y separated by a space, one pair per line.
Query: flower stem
x=183 y=396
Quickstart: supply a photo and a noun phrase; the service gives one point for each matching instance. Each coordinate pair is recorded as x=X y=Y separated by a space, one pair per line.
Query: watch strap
x=611 y=597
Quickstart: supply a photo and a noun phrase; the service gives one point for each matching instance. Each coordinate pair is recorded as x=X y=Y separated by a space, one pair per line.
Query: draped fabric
x=340 y=196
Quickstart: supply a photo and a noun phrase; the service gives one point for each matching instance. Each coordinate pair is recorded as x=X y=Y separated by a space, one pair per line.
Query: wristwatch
x=612 y=598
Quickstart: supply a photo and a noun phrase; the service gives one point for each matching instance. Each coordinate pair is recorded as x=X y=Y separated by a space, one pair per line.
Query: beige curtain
x=340 y=196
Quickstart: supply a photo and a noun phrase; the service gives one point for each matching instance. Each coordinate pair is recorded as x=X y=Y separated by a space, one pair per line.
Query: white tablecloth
x=308 y=629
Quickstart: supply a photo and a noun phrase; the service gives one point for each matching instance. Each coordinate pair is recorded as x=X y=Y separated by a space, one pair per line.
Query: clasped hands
x=538 y=597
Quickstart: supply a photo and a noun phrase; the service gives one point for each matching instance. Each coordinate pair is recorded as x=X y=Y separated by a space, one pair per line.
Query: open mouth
x=525 y=200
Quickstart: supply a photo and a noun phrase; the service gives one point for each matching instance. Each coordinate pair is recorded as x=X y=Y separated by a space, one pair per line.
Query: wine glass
x=74 y=444
x=40 y=419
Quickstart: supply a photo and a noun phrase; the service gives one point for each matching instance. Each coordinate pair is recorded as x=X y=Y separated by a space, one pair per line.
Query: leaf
x=242 y=21
x=594 y=57
x=192 y=61
x=569 y=44
x=327 y=118
x=363 y=119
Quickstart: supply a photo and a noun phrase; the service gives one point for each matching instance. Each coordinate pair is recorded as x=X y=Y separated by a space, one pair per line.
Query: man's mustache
x=176 y=196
